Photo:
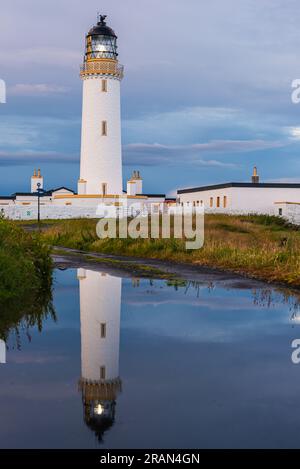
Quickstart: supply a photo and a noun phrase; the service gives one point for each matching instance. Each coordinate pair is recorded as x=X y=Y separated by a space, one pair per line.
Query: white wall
x=35 y=181
x=6 y=202
x=261 y=200
x=289 y=211
x=69 y=207
x=139 y=185
x=204 y=197
x=243 y=200
x=131 y=188
x=50 y=212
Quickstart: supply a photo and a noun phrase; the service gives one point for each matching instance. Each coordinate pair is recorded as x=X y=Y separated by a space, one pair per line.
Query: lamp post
x=39 y=204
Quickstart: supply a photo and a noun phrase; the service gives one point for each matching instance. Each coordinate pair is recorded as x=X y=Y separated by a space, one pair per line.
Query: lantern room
x=101 y=42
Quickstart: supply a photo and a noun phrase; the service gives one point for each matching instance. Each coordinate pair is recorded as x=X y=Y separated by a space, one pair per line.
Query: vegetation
x=25 y=278
x=259 y=246
x=264 y=247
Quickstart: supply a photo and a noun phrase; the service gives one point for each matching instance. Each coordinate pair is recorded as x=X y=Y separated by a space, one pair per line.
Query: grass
x=25 y=277
x=263 y=247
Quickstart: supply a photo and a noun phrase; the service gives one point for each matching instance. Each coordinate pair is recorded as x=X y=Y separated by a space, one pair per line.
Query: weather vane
x=101 y=18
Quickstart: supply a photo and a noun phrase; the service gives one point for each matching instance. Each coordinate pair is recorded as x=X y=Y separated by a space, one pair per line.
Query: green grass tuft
x=261 y=246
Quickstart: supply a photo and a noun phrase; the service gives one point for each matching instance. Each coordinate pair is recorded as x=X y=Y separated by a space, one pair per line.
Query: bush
x=25 y=277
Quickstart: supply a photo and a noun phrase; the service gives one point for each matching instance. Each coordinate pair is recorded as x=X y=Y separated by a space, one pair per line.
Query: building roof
x=43 y=193
x=287 y=203
x=101 y=29
x=6 y=197
x=60 y=188
x=271 y=185
x=32 y=194
x=160 y=196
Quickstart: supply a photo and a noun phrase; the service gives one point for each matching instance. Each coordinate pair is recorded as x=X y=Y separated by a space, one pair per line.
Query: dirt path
x=150 y=268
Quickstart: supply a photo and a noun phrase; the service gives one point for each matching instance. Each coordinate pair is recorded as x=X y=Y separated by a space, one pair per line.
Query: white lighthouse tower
x=101 y=153
x=100 y=308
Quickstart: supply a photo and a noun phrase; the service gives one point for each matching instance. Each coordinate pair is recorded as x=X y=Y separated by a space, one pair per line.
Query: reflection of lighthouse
x=100 y=305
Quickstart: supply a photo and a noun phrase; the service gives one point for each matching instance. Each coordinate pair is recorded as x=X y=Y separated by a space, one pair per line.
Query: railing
x=102 y=68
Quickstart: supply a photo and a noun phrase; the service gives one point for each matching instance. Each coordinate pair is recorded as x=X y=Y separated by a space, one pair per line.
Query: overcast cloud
x=206 y=93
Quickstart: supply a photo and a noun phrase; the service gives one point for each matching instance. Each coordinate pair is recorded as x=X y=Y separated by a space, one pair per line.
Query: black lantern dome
x=101 y=42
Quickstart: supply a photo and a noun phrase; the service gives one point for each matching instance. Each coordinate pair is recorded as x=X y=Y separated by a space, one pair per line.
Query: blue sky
x=206 y=93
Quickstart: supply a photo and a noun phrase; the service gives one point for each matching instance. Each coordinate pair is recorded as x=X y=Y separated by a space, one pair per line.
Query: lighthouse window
x=218 y=201
x=103 y=330
x=104 y=188
x=102 y=47
x=225 y=201
x=104 y=85
x=102 y=372
x=104 y=128
x=211 y=202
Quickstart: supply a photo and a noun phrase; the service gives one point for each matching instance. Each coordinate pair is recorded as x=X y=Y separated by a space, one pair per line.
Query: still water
x=141 y=363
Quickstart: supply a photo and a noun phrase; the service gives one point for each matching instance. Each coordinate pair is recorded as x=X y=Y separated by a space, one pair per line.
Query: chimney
x=255 y=177
x=36 y=179
x=137 y=188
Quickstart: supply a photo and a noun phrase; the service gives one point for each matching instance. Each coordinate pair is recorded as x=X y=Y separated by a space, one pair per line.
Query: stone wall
x=48 y=212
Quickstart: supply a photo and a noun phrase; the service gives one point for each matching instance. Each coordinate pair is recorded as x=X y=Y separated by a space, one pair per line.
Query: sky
x=205 y=97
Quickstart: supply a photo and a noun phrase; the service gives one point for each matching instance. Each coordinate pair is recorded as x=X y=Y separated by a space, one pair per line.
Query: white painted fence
x=48 y=212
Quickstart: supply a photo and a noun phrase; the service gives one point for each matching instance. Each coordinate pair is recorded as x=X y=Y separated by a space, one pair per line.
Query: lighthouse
x=101 y=153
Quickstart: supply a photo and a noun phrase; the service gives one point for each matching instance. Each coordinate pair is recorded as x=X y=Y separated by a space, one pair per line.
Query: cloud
x=294 y=132
x=191 y=121
x=53 y=56
x=38 y=133
x=231 y=81
x=144 y=154
x=285 y=180
x=12 y=158
x=38 y=89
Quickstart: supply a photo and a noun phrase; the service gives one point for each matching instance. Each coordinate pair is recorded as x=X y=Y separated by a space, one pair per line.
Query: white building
x=241 y=197
x=289 y=210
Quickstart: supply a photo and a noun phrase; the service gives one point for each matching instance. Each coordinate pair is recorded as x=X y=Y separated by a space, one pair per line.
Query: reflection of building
x=100 y=307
